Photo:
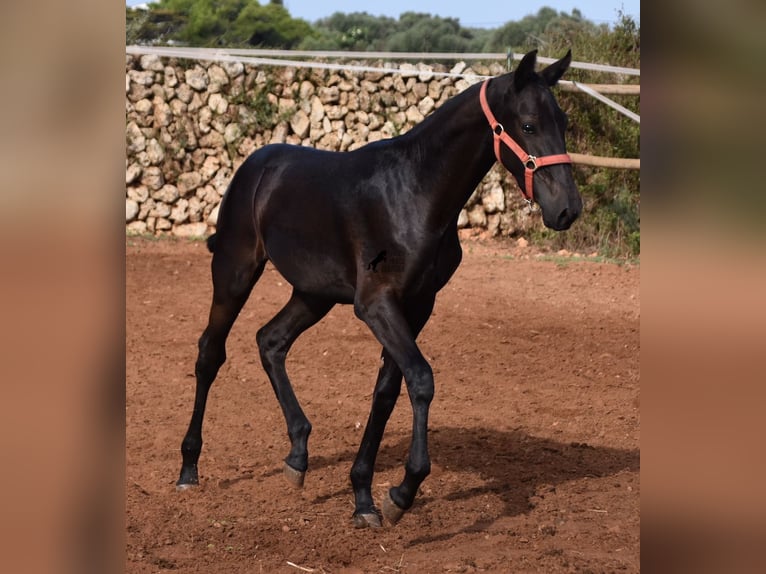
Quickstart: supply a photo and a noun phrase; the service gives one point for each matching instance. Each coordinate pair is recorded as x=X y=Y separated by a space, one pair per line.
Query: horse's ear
x=525 y=70
x=552 y=74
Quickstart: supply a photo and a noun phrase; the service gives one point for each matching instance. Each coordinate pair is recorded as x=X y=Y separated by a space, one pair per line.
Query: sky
x=471 y=13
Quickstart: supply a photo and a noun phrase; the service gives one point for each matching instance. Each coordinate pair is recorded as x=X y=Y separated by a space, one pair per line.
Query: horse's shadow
x=512 y=466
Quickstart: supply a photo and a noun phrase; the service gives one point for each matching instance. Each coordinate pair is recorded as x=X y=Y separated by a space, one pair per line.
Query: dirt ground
x=534 y=430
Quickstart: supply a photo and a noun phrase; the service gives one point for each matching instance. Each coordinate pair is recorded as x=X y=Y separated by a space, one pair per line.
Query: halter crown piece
x=530 y=162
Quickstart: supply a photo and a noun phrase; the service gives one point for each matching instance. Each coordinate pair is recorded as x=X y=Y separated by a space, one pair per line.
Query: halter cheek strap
x=530 y=162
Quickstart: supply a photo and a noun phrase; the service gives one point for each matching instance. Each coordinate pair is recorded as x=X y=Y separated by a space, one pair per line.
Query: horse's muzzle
x=565 y=218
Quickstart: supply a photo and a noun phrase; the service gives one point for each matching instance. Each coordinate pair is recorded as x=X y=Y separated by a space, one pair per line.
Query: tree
x=528 y=32
x=151 y=26
x=411 y=32
x=354 y=31
x=269 y=26
x=417 y=32
x=205 y=21
x=228 y=23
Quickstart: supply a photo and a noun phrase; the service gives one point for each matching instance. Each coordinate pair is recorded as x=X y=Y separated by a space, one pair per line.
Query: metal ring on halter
x=498 y=129
x=531 y=163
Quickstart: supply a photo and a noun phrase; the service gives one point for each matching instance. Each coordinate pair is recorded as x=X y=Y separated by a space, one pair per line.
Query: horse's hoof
x=367 y=520
x=391 y=511
x=180 y=487
x=294 y=477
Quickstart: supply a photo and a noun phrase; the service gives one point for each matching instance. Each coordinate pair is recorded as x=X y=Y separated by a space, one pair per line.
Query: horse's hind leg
x=233 y=278
x=274 y=341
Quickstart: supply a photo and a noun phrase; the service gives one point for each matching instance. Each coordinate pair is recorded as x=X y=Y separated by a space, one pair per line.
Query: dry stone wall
x=189 y=125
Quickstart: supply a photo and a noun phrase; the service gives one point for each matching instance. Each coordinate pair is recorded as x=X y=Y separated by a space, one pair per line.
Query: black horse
x=323 y=217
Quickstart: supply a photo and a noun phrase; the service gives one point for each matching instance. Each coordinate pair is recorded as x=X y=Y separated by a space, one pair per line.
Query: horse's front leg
x=387 y=389
x=388 y=320
x=420 y=386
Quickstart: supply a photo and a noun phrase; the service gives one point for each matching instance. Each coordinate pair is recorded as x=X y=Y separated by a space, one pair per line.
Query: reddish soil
x=534 y=430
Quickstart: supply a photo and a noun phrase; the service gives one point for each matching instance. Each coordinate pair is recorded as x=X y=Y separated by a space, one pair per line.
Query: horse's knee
x=420 y=383
x=269 y=346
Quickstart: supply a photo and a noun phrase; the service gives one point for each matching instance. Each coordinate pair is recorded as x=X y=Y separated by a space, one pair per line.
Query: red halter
x=531 y=163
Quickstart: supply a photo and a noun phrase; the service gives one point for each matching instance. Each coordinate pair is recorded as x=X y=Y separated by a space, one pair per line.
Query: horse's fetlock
x=419 y=470
x=191 y=445
x=299 y=431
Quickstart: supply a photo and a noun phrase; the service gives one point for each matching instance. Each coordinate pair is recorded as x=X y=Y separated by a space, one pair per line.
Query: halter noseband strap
x=530 y=162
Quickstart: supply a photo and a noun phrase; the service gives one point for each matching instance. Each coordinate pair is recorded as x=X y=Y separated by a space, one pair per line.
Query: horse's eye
x=528 y=128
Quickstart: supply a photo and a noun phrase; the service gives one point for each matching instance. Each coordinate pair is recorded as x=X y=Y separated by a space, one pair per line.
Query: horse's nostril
x=564 y=217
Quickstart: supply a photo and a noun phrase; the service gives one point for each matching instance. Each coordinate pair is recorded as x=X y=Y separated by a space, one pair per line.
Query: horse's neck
x=454 y=145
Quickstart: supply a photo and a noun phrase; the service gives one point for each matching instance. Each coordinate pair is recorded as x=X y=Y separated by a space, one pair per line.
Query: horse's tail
x=211 y=243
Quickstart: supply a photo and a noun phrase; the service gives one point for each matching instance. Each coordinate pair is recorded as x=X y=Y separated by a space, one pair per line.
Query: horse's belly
x=316 y=269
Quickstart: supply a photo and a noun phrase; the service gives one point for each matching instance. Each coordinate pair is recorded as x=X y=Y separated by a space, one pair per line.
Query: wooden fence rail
x=606 y=89
x=597 y=161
